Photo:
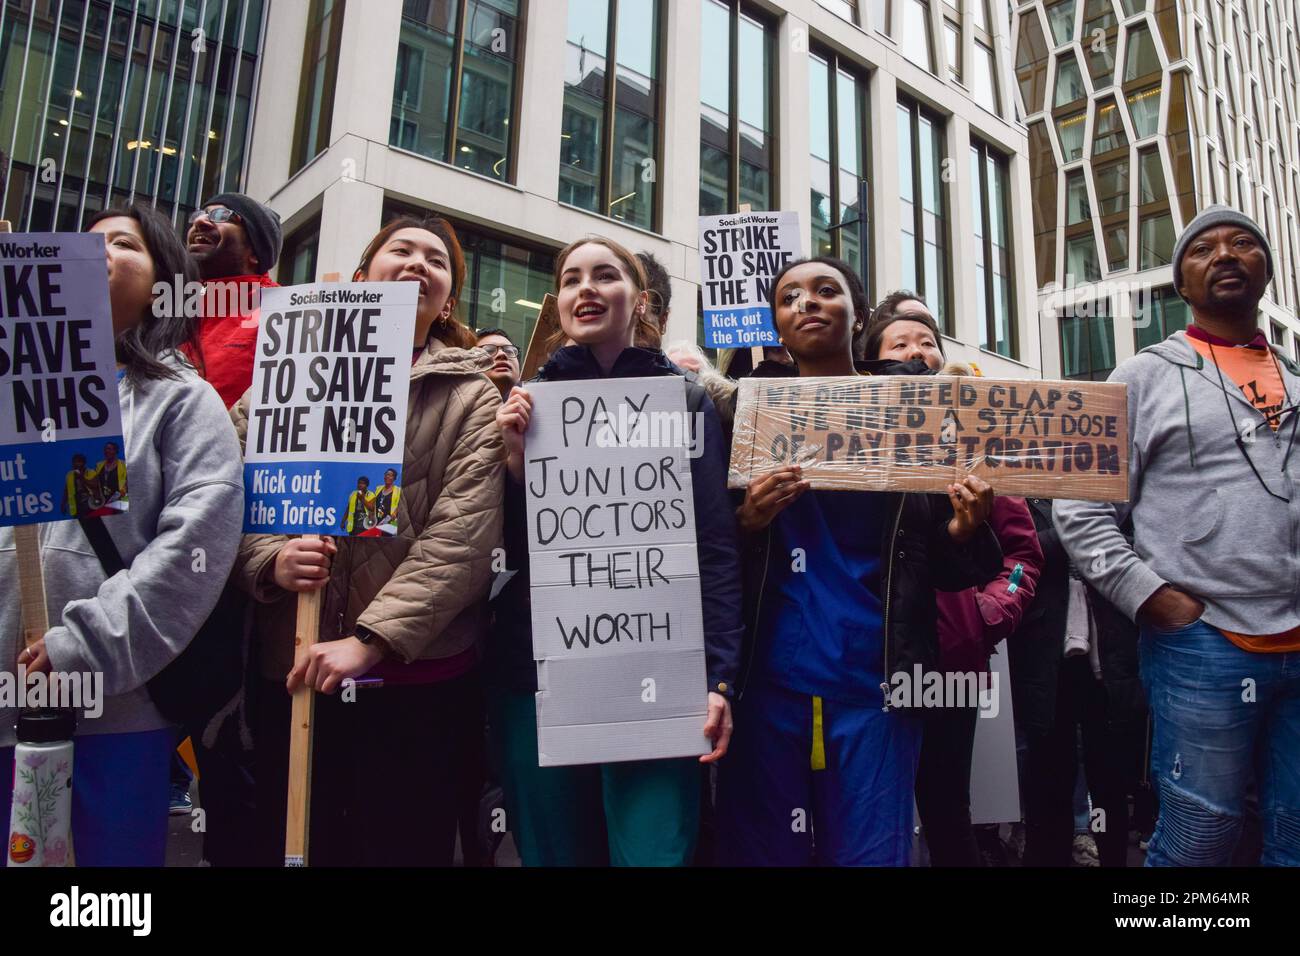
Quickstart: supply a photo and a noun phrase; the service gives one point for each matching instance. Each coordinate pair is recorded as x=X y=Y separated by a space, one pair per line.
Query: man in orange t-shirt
x=1213 y=572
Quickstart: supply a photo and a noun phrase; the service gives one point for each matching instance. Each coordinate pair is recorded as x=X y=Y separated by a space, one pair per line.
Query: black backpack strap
x=103 y=544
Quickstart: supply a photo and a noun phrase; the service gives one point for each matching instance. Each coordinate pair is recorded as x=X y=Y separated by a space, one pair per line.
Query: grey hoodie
x=1201 y=520
x=184 y=475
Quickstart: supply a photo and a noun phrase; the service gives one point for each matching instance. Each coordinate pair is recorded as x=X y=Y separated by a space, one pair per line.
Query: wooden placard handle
x=31 y=584
x=298 y=818
x=31 y=579
x=755 y=351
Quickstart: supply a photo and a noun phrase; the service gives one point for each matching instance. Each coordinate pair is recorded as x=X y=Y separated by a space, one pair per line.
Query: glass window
x=1081 y=263
x=1099 y=39
x=1158 y=314
x=1088 y=342
x=1144 y=111
x=1031 y=62
x=1069 y=129
x=820 y=123
x=1140 y=57
x=298 y=258
x=979 y=15
x=1151 y=177
x=101 y=128
x=993 y=251
x=837 y=132
x=455 y=83
x=1112 y=187
x=1060 y=17
x=986 y=94
x=848 y=9
x=608 y=156
x=952 y=39
x=737 y=150
x=1077 y=208
x=320 y=64
x=1155 y=240
x=880 y=15
x=1069 y=81
x=754 y=71
x=1108 y=133
x=916 y=33
x=923 y=200
x=1042 y=177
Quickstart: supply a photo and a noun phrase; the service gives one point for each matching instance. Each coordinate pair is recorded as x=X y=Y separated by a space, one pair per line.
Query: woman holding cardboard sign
x=839 y=598
x=971 y=622
x=112 y=584
x=650 y=808
x=404 y=609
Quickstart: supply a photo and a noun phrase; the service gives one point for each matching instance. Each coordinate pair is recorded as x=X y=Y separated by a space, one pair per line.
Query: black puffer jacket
x=510 y=646
x=916 y=551
x=1035 y=651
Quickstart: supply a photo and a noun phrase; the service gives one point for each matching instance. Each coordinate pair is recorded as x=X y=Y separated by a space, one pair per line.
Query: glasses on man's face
x=512 y=351
x=216 y=214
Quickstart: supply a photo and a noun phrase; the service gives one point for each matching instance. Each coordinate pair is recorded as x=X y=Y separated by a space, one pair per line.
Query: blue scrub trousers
x=775 y=809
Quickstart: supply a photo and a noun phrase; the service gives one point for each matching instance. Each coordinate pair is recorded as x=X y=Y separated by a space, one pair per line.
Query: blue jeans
x=1220 y=714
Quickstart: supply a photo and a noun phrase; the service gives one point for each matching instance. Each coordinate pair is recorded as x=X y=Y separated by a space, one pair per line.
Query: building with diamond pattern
x=1140 y=113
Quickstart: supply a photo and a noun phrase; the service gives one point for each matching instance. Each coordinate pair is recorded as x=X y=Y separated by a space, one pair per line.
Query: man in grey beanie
x=1214 y=496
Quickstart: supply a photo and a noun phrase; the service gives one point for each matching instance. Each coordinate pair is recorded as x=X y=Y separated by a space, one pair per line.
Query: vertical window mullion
x=733 y=109
x=918 y=200
x=232 y=99
x=990 y=320
x=128 y=61
x=864 y=195
x=611 y=91
x=661 y=113
x=832 y=77
x=457 y=70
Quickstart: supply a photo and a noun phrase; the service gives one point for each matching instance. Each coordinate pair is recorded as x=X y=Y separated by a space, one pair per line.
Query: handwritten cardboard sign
x=618 y=633
x=1040 y=439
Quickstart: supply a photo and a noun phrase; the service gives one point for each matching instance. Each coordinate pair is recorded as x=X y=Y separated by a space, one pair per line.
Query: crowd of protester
x=1153 y=645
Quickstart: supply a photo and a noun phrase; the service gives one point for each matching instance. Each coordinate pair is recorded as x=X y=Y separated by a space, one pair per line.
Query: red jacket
x=972 y=622
x=227 y=339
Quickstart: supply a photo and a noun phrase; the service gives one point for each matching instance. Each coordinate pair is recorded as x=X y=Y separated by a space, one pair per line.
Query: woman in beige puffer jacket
x=403 y=614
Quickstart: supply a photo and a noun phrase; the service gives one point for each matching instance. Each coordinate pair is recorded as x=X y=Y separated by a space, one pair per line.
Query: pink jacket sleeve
x=1000 y=608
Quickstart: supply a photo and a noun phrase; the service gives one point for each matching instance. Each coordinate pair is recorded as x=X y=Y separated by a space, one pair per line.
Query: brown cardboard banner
x=1042 y=439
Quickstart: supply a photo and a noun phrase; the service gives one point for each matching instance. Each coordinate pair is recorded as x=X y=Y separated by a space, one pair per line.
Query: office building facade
x=529 y=123
x=1139 y=114
x=110 y=101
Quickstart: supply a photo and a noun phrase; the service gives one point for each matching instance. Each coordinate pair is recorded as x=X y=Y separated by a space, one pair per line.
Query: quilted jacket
x=423 y=591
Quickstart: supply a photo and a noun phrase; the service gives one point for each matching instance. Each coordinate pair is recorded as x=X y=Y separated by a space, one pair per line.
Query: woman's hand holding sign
x=303 y=564
x=972 y=502
x=768 y=496
x=718 y=727
x=325 y=666
x=512 y=418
